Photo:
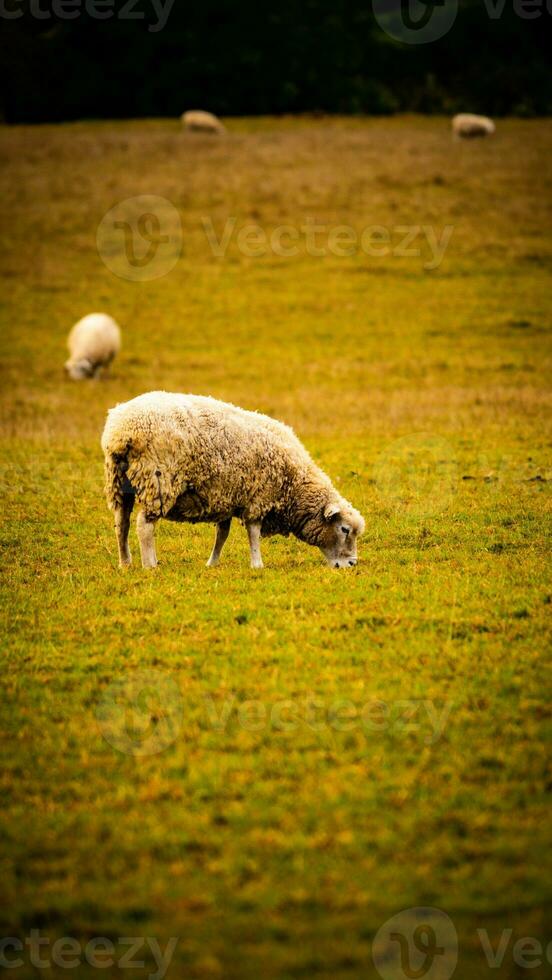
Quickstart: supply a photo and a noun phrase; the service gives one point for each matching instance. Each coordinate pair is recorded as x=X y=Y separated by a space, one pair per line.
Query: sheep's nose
x=336 y=564
x=352 y=561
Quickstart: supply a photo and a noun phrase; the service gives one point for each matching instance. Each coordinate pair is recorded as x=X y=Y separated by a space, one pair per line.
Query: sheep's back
x=227 y=458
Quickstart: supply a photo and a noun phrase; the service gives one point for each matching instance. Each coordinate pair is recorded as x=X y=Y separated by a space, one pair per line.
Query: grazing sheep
x=202 y=122
x=93 y=343
x=467 y=126
x=191 y=458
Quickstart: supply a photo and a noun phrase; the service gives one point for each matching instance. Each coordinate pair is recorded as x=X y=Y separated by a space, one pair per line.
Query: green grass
x=268 y=850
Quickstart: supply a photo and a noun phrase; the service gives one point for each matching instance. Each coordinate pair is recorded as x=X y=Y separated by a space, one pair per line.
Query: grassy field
x=269 y=765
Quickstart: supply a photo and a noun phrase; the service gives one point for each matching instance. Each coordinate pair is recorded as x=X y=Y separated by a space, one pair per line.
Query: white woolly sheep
x=195 y=459
x=93 y=343
x=195 y=120
x=467 y=126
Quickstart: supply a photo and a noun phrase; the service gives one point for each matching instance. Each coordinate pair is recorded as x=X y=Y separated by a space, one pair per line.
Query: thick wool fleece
x=467 y=125
x=96 y=338
x=197 y=119
x=192 y=458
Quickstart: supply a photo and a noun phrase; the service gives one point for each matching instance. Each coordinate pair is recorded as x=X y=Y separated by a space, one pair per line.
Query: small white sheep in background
x=202 y=122
x=467 y=126
x=93 y=343
x=193 y=459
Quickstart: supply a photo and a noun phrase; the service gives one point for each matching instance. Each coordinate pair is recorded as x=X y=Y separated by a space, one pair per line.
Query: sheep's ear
x=331 y=511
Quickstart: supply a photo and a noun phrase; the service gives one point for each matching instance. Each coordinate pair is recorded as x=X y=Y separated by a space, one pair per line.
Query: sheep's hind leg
x=146 y=538
x=223 y=530
x=254 y=535
x=122 y=525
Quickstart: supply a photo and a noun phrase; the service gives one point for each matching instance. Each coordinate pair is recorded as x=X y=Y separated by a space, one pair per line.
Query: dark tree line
x=238 y=57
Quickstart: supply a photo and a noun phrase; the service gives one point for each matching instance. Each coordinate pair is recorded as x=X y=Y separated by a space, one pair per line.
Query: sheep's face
x=344 y=525
x=77 y=370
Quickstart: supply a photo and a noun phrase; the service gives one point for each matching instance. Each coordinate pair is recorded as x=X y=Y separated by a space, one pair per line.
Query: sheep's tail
x=138 y=471
x=117 y=485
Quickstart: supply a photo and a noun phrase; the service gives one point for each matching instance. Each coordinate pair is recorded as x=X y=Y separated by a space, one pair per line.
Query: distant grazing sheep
x=202 y=122
x=93 y=343
x=468 y=126
x=195 y=459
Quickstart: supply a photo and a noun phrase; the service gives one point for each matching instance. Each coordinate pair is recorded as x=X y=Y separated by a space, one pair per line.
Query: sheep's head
x=77 y=370
x=343 y=525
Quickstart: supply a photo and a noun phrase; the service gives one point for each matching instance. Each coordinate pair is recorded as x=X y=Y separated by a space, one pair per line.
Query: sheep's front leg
x=122 y=525
x=146 y=537
x=223 y=530
x=254 y=535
